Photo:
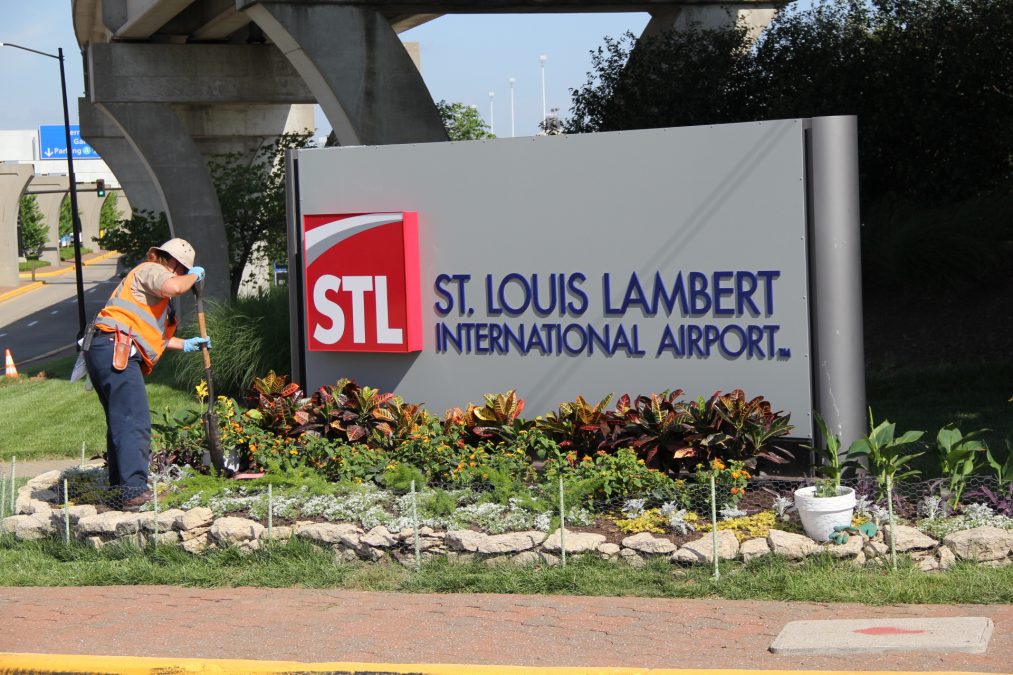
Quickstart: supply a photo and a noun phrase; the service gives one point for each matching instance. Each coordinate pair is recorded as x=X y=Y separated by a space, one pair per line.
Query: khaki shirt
x=148 y=280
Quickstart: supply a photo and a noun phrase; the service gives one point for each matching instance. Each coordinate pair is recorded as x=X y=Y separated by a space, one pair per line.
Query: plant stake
x=66 y=513
x=562 y=524
x=210 y=418
x=889 y=506
x=415 y=529
x=14 y=468
x=82 y=454
x=270 y=512
x=154 y=505
x=714 y=526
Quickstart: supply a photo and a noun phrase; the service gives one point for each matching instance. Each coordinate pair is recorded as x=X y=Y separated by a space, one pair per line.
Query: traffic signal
x=100 y=188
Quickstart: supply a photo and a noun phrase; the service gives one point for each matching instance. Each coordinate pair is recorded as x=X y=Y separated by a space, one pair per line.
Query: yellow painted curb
x=66 y=270
x=100 y=258
x=18 y=291
x=41 y=664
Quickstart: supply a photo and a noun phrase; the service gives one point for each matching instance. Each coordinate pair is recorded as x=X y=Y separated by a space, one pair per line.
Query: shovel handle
x=198 y=292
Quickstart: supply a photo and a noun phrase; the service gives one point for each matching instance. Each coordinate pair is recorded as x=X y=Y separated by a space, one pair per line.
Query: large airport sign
x=631 y=262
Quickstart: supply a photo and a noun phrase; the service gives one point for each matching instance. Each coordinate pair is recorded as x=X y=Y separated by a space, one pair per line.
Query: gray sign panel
x=629 y=262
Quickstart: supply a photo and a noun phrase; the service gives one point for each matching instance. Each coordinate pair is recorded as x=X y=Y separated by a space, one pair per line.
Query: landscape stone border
x=196 y=530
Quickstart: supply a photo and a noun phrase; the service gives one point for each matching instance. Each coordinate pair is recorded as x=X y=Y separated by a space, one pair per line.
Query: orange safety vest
x=150 y=326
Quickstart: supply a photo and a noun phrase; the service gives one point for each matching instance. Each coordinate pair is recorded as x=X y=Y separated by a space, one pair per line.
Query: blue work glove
x=199 y=271
x=194 y=344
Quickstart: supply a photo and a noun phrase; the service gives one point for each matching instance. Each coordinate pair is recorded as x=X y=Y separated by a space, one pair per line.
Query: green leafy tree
x=463 y=122
x=34 y=233
x=66 y=225
x=935 y=123
x=251 y=192
x=134 y=236
x=110 y=214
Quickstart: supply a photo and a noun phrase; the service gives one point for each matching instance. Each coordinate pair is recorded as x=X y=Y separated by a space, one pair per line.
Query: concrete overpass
x=171 y=82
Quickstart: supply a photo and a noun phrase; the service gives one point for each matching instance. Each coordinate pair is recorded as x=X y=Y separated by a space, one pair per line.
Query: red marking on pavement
x=886 y=630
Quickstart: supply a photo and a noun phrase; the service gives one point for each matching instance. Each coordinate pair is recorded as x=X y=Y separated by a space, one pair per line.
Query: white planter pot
x=820 y=515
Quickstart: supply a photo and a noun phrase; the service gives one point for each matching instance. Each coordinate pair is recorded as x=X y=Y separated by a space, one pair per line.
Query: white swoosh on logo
x=321 y=239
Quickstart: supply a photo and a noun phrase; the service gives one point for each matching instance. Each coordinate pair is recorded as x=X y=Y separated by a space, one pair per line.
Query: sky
x=464 y=58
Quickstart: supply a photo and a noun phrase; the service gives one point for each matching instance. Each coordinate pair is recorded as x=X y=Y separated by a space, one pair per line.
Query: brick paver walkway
x=335 y=625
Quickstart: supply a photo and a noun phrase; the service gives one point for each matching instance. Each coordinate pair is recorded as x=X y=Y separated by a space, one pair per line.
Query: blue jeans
x=128 y=419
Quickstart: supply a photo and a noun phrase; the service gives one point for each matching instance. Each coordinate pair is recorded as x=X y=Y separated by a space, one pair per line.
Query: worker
x=129 y=335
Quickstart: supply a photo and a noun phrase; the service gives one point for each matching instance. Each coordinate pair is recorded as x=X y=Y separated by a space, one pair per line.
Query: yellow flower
x=472 y=464
x=586 y=458
x=640 y=461
x=202 y=390
x=717 y=464
x=253 y=447
x=293 y=452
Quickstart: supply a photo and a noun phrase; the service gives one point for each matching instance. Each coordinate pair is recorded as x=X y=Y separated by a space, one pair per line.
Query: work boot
x=135 y=503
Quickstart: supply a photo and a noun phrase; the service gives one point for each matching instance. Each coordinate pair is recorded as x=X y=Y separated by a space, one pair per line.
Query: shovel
x=210 y=418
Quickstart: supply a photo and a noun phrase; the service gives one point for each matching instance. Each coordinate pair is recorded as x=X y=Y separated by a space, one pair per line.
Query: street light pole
x=492 y=114
x=74 y=217
x=513 y=130
x=542 y=58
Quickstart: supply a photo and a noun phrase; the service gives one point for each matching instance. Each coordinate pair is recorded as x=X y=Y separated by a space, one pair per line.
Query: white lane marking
x=55 y=311
x=3 y=334
x=91 y=290
x=32 y=324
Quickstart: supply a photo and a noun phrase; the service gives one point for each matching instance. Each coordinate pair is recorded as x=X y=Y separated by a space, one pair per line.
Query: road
x=45 y=320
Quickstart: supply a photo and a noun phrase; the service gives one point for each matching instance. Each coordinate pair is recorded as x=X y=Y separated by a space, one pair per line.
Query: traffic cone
x=11 y=370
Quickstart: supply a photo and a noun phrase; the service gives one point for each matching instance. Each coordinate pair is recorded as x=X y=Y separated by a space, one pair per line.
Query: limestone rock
x=876 y=549
x=981 y=543
x=44 y=481
x=465 y=540
x=754 y=548
x=609 y=551
x=632 y=558
x=379 y=537
x=331 y=533
x=511 y=542
x=908 y=538
x=166 y=520
x=102 y=523
x=852 y=547
x=946 y=558
x=278 y=533
x=165 y=537
x=129 y=523
x=194 y=518
x=197 y=532
x=26 y=505
x=26 y=527
x=859 y=559
x=791 y=546
x=576 y=542
x=702 y=550
x=928 y=564
x=645 y=542
x=196 y=544
x=233 y=531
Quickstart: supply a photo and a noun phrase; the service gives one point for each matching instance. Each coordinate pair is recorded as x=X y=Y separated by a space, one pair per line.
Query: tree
x=463 y=122
x=34 y=233
x=251 y=192
x=133 y=237
x=110 y=214
x=66 y=226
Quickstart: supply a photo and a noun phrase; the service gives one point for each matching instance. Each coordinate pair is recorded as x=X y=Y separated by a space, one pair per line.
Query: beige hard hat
x=180 y=249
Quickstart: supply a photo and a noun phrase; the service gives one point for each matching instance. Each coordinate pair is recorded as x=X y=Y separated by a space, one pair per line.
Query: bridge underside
x=170 y=83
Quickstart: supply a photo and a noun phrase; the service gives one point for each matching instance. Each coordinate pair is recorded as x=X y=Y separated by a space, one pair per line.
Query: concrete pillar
x=755 y=14
x=89 y=205
x=356 y=67
x=177 y=168
x=103 y=135
x=13 y=179
x=49 y=204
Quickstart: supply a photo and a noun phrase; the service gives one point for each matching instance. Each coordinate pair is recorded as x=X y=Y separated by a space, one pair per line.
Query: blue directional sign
x=53 y=143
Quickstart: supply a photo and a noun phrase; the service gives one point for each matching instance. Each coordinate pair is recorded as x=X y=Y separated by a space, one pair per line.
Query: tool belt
x=122 y=344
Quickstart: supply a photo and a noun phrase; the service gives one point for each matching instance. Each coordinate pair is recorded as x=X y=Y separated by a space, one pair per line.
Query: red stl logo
x=362 y=282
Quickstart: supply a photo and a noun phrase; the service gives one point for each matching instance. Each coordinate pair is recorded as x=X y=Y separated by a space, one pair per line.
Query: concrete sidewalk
x=308 y=625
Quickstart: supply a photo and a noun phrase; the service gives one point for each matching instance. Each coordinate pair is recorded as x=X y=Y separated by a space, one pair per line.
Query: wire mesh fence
x=692 y=507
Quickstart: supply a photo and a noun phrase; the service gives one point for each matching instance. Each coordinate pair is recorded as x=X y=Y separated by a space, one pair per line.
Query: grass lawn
x=50 y=562
x=50 y=418
x=67 y=252
x=30 y=265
